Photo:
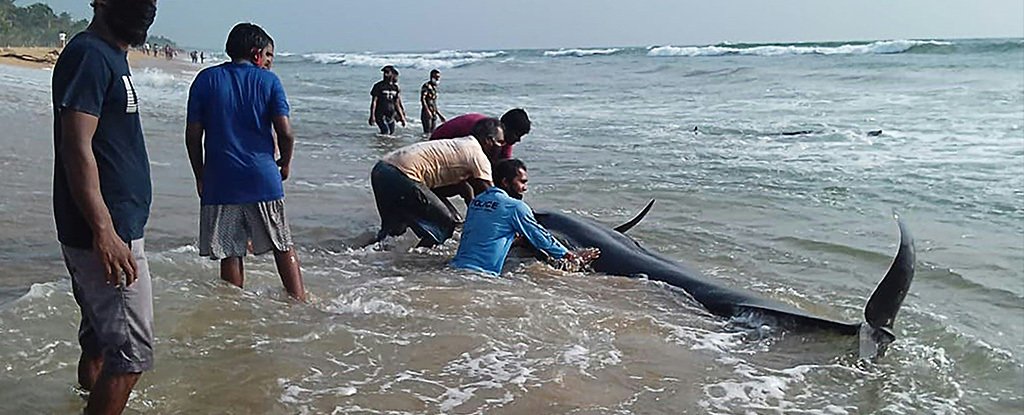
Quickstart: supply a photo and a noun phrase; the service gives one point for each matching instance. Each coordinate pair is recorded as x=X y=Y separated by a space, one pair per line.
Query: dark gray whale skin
x=623 y=256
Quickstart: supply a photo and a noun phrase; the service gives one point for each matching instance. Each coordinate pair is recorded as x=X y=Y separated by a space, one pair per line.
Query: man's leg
x=231 y=270
x=120 y=325
x=89 y=368
x=432 y=221
x=291 y=274
x=111 y=392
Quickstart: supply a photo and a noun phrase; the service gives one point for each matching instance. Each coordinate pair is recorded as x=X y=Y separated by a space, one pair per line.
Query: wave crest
x=443 y=59
x=579 y=53
x=879 y=47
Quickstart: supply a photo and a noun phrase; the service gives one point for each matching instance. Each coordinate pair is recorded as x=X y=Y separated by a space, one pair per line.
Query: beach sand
x=46 y=57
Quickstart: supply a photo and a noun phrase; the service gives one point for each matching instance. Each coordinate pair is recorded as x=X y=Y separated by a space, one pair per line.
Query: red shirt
x=462 y=126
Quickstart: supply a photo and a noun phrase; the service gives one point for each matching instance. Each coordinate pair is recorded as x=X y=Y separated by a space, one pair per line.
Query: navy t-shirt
x=93 y=77
x=236 y=103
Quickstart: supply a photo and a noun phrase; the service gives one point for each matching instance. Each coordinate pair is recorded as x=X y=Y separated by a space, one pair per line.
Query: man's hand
x=441 y=117
x=584 y=256
x=371 y=121
x=116 y=257
x=286 y=169
x=402 y=120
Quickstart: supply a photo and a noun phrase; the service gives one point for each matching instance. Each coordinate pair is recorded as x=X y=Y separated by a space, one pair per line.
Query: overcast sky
x=413 y=25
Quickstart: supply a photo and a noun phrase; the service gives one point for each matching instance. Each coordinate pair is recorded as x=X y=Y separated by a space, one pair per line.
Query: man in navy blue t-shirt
x=101 y=199
x=234 y=109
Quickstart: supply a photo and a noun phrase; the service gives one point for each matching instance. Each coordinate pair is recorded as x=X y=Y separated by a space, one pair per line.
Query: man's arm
x=194 y=145
x=525 y=224
x=401 y=109
x=477 y=186
x=286 y=141
x=77 y=130
x=373 y=108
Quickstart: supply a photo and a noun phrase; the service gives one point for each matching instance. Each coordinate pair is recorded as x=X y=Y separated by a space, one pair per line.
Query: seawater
x=766 y=178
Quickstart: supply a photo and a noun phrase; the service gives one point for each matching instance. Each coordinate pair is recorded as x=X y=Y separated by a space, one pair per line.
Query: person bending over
x=234 y=109
x=515 y=123
x=404 y=182
x=495 y=217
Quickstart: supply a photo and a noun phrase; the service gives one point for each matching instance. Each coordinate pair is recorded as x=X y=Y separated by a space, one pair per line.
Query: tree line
x=39 y=25
x=35 y=25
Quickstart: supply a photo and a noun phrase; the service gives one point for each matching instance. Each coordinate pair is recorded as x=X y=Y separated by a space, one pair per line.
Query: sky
x=418 y=25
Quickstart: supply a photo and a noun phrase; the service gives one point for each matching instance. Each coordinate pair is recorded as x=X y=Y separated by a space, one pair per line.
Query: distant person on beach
x=202 y=57
x=195 y=56
x=234 y=109
x=386 y=103
x=515 y=122
x=404 y=180
x=495 y=217
x=101 y=199
x=146 y=48
x=429 y=114
x=62 y=39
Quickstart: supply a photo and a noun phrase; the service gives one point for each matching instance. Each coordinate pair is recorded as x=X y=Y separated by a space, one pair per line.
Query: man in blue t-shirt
x=234 y=109
x=494 y=218
x=101 y=199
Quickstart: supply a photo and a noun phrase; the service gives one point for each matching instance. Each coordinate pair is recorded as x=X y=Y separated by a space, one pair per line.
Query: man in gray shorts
x=234 y=109
x=101 y=199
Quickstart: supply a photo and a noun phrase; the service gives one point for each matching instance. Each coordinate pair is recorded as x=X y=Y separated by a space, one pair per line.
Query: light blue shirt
x=492 y=221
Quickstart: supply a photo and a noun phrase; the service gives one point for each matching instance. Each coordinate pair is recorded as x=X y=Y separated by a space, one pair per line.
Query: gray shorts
x=117 y=322
x=226 y=230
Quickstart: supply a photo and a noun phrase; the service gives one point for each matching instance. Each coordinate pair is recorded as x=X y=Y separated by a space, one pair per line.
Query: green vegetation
x=38 y=25
x=34 y=25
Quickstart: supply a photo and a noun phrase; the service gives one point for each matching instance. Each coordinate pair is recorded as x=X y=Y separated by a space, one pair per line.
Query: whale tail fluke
x=885 y=301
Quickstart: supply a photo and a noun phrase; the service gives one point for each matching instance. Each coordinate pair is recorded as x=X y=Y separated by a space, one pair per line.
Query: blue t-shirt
x=492 y=221
x=92 y=76
x=236 y=103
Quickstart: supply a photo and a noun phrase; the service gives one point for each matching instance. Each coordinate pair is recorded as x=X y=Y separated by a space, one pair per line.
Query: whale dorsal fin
x=625 y=227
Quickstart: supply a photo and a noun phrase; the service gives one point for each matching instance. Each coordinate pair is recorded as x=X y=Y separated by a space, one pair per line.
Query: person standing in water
x=234 y=109
x=386 y=102
x=429 y=114
x=101 y=198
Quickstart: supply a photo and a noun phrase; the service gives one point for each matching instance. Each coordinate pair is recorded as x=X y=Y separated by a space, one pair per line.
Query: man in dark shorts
x=429 y=114
x=238 y=106
x=515 y=123
x=101 y=199
x=403 y=182
x=386 y=103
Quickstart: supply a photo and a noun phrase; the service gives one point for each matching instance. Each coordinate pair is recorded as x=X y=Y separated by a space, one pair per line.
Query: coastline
x=45 y=57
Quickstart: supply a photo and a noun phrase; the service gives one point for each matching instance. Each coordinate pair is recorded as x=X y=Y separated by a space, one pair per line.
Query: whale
x=623 y=256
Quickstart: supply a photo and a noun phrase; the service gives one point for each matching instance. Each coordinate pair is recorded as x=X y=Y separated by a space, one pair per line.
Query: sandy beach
x=46 y=57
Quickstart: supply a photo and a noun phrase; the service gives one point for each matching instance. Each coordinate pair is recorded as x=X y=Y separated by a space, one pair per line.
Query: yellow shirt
x=440 y=163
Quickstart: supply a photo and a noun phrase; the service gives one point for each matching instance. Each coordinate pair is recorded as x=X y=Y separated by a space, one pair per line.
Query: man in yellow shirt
x=403 y=182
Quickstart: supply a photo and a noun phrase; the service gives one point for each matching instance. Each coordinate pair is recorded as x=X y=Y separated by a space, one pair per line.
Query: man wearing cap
x=386 y=104
x=515 y=123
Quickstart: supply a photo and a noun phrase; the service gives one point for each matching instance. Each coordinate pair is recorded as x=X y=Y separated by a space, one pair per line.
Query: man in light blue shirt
x=495 y=217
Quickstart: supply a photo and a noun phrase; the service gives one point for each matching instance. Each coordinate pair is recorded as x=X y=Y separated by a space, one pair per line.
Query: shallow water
x=803 y=218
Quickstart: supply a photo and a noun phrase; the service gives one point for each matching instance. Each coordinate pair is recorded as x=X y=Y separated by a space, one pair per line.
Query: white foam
x=442 y=59
x=880 y=47
x=580 y=52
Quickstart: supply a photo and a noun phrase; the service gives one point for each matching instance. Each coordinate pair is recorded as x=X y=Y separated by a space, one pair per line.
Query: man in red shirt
x=515 y=123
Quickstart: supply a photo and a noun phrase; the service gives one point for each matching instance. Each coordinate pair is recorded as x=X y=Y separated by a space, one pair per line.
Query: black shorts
x=405 y=203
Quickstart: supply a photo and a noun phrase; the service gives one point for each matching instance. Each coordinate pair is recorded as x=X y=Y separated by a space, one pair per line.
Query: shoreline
x=45 y=57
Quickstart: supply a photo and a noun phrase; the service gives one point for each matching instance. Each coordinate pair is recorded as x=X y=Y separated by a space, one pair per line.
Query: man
x=101 y=198
x=233 y=111
x=515 y=123
x=495 y=218
x=428 y=102
x=403 y=182
x=386 y=103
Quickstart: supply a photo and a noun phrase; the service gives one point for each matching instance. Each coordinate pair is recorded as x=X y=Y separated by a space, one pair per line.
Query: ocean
x=776 y=167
